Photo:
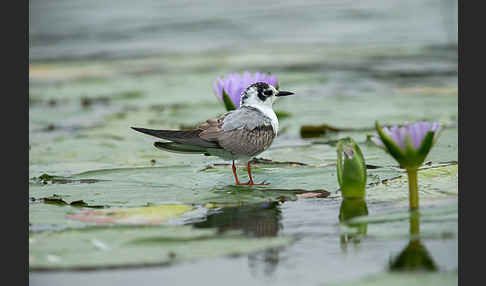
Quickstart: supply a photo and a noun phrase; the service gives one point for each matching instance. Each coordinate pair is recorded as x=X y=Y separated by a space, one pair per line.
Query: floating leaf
x=108 y=247
x=48 y=179
x=143 y=215
x=57 y=200
x=311 y=131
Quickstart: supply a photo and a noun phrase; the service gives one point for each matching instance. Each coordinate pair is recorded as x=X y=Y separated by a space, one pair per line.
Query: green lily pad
x=144 y=215
x=433 y=183
x=139 y=186
x=110 y=247
x=52 y=217
x=79 y=132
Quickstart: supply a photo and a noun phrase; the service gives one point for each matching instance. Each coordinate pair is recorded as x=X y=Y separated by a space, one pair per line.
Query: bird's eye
x=268 y=92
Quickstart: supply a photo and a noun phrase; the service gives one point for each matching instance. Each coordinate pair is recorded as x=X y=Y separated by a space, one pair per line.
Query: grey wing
x=212 y=128
x=245 y=131
x=247 y=142
x=245 y=117
x=205 y=136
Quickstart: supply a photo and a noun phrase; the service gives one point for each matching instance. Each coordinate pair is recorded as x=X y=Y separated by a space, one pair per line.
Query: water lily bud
x=351 y=169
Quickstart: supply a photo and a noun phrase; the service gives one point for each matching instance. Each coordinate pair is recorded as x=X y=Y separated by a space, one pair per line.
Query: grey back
x=245 y=117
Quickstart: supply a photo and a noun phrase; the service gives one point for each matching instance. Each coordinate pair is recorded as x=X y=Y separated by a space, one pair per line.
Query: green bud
x=351 y=169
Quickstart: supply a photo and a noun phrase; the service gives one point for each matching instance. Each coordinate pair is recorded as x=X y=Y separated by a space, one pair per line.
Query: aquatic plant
x=351 y=169
x=409 y=145
x=229 y=88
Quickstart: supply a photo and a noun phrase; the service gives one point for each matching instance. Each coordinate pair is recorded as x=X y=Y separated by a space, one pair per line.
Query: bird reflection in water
x=258 y=220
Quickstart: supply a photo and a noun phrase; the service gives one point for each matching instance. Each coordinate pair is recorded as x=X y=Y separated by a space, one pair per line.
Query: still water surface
x=90 y=30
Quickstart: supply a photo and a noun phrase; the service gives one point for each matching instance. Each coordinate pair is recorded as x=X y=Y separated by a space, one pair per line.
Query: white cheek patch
x=250 y=98
x=251 y=93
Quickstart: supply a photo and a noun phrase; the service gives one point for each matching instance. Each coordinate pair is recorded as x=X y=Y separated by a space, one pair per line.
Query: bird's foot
x=251 y=183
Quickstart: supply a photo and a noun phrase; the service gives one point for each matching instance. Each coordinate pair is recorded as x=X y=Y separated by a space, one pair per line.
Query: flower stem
x=414 y=222
x=413 y=188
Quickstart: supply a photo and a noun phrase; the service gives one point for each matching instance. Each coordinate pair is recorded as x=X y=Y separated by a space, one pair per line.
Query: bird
x=237 y=135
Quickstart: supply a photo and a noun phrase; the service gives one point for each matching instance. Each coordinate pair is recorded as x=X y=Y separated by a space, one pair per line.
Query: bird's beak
x=284 y=93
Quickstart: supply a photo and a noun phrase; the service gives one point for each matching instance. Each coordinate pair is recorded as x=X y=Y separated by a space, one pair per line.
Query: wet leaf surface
x=83 y=154
x=136 y=216
x=96 y=248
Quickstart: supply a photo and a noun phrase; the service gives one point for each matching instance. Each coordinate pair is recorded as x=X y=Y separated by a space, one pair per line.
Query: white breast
x=268 y=111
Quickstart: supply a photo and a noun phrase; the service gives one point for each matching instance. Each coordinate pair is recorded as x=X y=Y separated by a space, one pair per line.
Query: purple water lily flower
x=409 y=145
x=415 y=131
x=234 y=84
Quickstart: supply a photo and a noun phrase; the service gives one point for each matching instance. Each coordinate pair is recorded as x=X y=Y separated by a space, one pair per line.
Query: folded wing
x=244 y=131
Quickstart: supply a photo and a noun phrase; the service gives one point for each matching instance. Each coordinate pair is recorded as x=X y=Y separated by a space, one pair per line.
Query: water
x=110 y=29
x=350 y=64
x=319 y=257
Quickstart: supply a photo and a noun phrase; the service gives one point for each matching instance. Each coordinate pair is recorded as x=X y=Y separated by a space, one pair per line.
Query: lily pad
x=433 y=183
x=159 y=185
x=143 y=215
x=76 y=143
x=95 y=248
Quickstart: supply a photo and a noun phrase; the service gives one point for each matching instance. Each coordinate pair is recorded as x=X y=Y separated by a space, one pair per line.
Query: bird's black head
x=261 y=93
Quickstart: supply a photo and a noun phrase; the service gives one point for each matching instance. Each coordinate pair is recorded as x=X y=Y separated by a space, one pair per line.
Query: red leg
x=236 y=176
x=251 y=183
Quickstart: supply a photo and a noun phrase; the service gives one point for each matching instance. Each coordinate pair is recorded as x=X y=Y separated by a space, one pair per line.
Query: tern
x=237 y=135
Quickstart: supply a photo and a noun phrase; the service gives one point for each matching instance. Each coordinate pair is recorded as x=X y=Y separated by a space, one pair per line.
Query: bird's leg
x=251 y=183
x=236 y=176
